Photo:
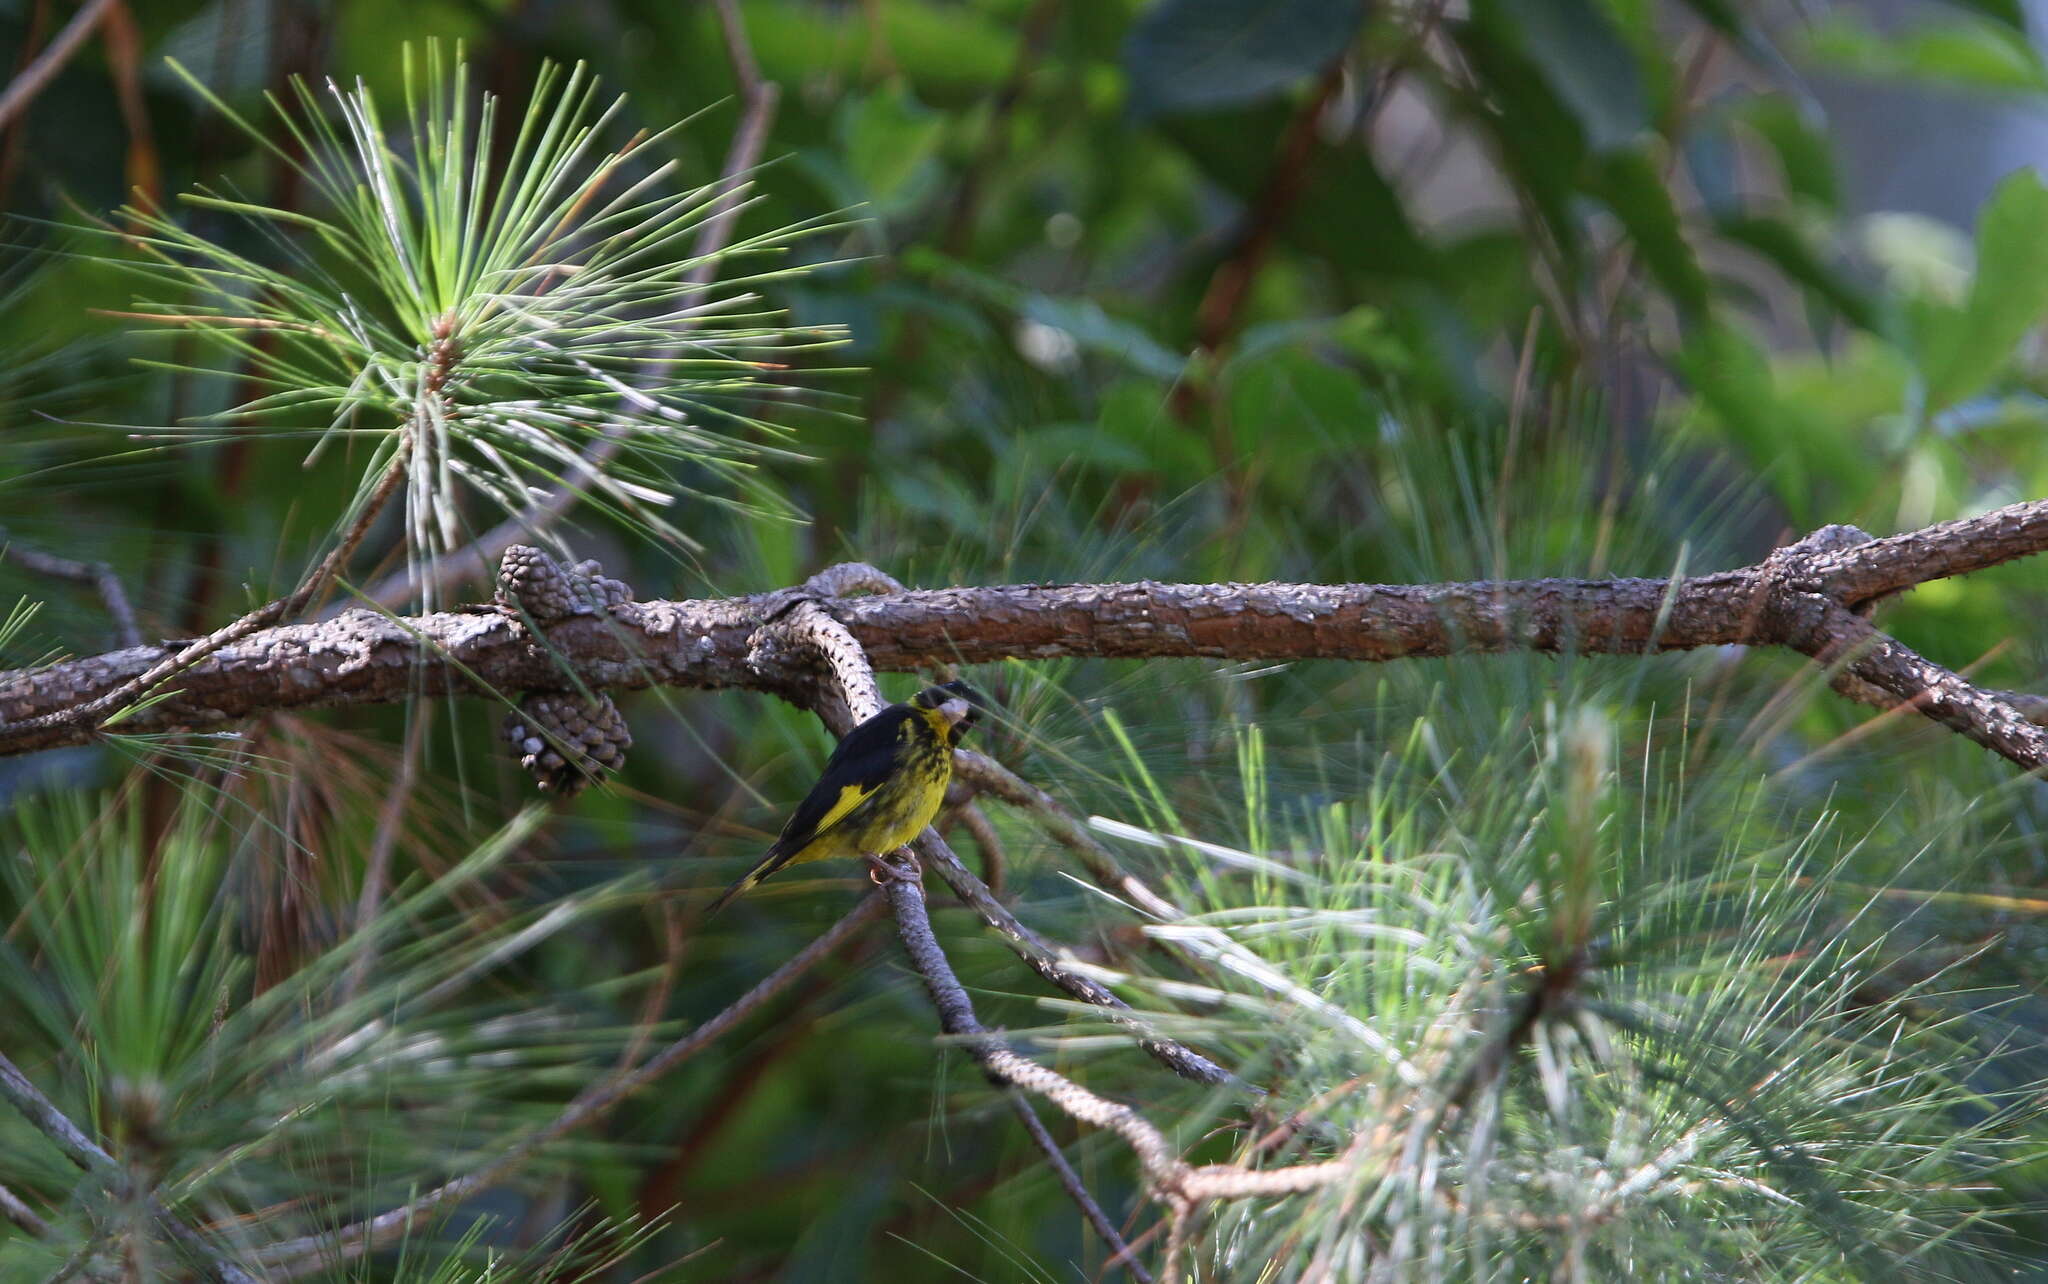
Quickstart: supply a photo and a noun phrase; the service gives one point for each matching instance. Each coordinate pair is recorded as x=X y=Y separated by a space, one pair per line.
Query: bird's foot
x=899 y=865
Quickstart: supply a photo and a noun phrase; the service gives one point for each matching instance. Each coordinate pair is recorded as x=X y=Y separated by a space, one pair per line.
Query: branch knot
x=807 y=636
x=1793 y=566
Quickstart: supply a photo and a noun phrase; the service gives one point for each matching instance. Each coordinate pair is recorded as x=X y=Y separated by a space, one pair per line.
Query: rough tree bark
x=1811 y=597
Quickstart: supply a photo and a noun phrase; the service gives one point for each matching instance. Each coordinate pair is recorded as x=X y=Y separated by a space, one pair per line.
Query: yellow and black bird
x=880 y=788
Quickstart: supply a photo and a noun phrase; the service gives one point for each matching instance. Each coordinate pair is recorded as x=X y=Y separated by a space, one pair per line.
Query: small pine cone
x=548 y=591
x=531 y=579
x=600 y=590
x=566 y=742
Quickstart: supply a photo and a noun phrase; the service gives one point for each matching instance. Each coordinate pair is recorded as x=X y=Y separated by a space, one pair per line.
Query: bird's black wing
x=859 y=766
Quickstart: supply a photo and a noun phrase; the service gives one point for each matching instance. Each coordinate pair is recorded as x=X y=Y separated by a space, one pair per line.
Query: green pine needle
x=497 y=307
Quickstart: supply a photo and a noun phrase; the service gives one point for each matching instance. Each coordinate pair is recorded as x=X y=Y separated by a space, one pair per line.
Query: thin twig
x=30 y=44
x=849 y=694
x=851 y=697
x=99 y=575
x=377 y=868
x=90 y=715
x=87 y=1154
x=758 y=101
x=1071 y=832
x=1164 y=1170
x=29 y=1101
x=994 y=860
x=39 y=73
x=1070 y=1181
x=1065 y=828
x=12 y=1207
x=1179 y=1229
x=1223 y=300
x=1131 y=1250
x=1041 y=958
x=289 y=1259
x=1156 y=1155
x=74 y=1264
x=124 y=43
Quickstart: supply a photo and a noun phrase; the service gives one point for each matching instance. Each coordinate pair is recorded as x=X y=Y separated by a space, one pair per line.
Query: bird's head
x=956 y=702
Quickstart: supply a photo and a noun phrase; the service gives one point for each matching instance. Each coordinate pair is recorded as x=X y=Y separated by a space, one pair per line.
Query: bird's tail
x=773 y=861
x=725 y=898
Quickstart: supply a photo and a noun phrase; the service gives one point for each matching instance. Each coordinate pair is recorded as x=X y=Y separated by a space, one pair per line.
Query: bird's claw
x=882 y=870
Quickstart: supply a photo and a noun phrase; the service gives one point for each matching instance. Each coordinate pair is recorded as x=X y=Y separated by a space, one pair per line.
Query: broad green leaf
x=1087 y=445
x=1728 y=18
x=1794 y=253
x=1923 y=258
x=2008 y=296
x=1360 y=332
x=1082 y=321
x=1088 y=325
x=1138 y=414
x=888 y=136
x=1634 y=190
x=1536 y=136
x=1827 y=431
x=2013 y=13
x=941 y=48
x=1586 y=62
x=1348 y=212
x=1841 y=395
x=1289 y=407
x=1733 y=380
x=1966 y=53
x=1193 y=55
x=1795 y=130
x=1488 y=278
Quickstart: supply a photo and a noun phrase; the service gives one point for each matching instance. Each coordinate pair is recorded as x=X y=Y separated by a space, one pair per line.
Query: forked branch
x=90 y=1157
x=98 y=576
x=846 y=693
x=81 y=720
x=1805 y=598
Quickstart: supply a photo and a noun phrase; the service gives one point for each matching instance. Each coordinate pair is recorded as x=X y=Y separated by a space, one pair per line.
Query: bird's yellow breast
x=899 y=810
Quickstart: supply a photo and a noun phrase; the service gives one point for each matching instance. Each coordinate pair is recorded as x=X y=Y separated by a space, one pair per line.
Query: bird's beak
x=956 y=711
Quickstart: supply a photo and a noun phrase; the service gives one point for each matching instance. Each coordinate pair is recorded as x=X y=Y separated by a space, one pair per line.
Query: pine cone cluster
x=601 y=591
x=567 y=742
x=531 y=580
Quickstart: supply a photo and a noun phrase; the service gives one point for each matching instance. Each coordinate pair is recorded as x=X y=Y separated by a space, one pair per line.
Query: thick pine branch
x=1803 y=598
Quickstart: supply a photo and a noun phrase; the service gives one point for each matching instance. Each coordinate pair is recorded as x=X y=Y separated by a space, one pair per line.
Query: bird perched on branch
x=880 y=788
